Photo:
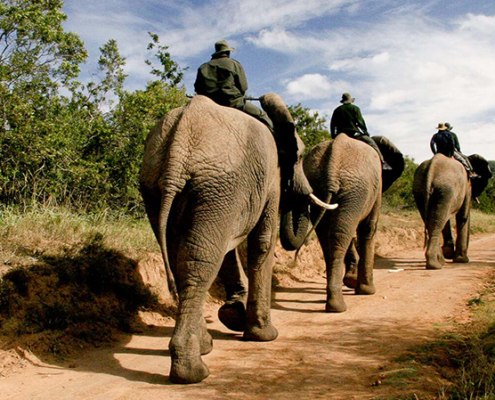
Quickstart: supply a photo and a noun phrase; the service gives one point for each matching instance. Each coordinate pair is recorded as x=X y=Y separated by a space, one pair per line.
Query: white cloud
x=313 y=86
x=408 y=71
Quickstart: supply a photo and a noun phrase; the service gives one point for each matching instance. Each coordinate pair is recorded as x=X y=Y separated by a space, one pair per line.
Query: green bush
x=400 y=193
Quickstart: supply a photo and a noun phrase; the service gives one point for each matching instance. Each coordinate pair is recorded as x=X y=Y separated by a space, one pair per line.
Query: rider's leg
x=258 y=113
x=366 y=139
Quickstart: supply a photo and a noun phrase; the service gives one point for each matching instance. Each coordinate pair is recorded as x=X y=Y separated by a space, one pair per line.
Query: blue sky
x=409 y=64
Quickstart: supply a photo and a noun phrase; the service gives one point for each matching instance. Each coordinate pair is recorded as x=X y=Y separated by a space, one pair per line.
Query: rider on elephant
x=458 y=154
x=443 y=141
x=347 y=118
x=223 y=80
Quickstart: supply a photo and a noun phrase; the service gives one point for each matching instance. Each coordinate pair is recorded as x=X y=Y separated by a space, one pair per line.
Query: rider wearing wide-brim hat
x=347 y=118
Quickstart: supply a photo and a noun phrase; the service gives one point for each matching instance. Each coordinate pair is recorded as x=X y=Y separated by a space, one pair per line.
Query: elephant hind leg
x=334 y=245
x=366 y=249
x=198 y=263
x=261 y=245
x=462 y=241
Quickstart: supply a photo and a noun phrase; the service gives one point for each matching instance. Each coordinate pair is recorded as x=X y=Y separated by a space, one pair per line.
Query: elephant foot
x=435 y=261
x=233 y=316
x=461 y=259
x=362 y=289
x=350 y=282
x=335 y=305
x=350 y=278
x=434 y=266
x=448 y=252
x=257 y=334
x=188 y=370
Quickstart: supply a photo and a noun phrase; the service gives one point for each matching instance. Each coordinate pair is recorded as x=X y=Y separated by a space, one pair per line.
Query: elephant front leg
x=462 y=242
x=233 y=313
x=351 y=262
x=448 y=242
x=261 y=244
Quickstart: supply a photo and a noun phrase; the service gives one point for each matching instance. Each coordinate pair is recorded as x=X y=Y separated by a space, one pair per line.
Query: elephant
x=210 y=180
x=348 y=172
x=395 y=159
x=442 y=190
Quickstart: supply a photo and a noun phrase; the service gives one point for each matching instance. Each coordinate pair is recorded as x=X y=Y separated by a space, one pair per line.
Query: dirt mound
x=85 y=296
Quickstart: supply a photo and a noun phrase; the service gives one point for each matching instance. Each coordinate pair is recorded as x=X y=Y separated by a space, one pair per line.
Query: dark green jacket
x=223 y=80
x=347 y=118
x=456 y=141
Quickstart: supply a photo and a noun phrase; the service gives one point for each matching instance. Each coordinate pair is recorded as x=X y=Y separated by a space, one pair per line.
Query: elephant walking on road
x=442 y=190
x=349 y=173
x=210 y=179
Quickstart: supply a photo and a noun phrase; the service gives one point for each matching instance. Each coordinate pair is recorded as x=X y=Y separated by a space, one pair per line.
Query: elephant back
x=336 y=166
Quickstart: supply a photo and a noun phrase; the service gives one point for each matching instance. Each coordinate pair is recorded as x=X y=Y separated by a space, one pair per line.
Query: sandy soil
x=316 y=355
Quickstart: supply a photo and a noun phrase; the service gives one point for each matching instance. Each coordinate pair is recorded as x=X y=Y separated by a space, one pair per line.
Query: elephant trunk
x=294 y=224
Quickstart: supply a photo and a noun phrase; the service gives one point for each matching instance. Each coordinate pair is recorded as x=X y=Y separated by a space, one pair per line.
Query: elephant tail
x=165 y=207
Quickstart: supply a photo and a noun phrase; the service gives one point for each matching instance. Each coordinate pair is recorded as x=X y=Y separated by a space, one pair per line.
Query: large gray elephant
x=210 y=179
x=348 y=172
x=442 y=190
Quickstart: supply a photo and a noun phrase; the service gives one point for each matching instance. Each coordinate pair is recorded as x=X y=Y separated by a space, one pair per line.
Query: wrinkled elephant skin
x=348 y=172
x=210 y=180
x=442 y=190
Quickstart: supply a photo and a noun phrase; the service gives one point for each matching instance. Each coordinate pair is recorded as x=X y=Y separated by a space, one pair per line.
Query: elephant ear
x=393 y=157
x=482 y=169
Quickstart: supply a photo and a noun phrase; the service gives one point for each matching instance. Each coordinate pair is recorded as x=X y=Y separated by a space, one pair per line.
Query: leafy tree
x=487 y=198
x=36 y=57
x=400 y=193
x=170 y=71
x=310 y=126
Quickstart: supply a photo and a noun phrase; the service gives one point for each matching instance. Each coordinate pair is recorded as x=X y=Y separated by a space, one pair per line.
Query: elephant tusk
x=320 y=203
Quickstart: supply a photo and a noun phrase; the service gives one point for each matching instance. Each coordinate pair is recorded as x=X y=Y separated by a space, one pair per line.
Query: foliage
x=82 y=148
x=170 y=71
x=487 y=198
x=400 y=193
x=310 y=126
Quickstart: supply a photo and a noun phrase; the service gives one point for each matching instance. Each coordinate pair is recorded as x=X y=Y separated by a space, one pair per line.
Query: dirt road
x=316 y=355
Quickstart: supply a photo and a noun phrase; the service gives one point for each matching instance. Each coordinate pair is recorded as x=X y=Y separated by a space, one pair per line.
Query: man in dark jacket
x=442 y=142
x=347 y=118
x=223 y=80
x=458 y=155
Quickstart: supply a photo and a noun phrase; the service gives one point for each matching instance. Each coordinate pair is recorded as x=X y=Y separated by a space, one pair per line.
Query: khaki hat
x=347 y=99
x=441 y=126
x=221 y=47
